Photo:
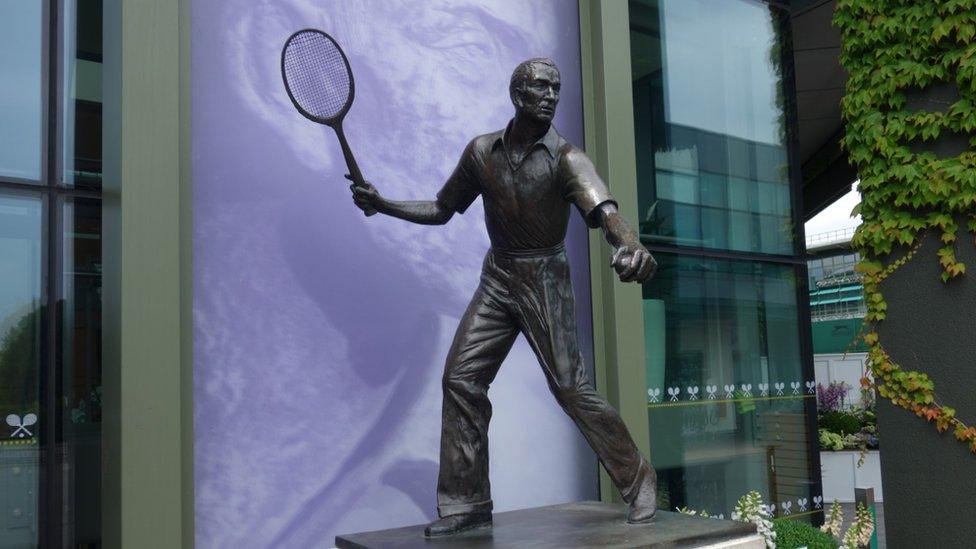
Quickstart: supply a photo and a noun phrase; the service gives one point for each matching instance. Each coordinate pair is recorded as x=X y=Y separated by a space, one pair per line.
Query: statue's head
x=535 y=89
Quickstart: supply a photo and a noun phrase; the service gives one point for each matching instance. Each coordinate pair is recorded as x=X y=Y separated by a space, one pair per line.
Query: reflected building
x=837 y=310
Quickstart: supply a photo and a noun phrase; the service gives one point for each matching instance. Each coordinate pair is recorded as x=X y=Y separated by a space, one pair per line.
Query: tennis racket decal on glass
x=319 y=83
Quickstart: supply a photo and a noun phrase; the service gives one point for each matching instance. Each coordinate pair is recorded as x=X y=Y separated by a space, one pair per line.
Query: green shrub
x=830 y=441
x=791 y=534
x=843 y=423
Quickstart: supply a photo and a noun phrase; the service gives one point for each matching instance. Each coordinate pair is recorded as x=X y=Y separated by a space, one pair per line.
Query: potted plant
x=848 y=435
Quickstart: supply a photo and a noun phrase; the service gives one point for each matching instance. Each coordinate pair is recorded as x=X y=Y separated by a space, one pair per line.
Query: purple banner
x=320 y=335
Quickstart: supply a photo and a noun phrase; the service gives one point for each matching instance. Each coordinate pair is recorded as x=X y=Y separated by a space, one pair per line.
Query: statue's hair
x=524 y=70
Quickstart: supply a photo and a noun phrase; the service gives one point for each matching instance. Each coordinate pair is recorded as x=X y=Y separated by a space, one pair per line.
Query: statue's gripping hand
x=631 y=260
x=633 y=263
x=364 y=195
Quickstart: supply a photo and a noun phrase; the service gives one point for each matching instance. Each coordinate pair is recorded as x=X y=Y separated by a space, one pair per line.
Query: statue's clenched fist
x=633 y=263
x=364 y=195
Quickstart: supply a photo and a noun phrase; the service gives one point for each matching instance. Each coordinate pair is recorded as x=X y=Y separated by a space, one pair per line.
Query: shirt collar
x=550 y=141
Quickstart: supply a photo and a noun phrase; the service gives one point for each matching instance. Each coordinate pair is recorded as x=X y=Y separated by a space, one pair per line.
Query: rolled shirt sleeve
x=460 y=190
x=583 y=187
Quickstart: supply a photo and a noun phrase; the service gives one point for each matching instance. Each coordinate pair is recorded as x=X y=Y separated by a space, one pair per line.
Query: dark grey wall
x=930 y=478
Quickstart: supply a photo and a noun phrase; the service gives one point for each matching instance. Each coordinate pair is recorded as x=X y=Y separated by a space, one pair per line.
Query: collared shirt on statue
x=526 y=203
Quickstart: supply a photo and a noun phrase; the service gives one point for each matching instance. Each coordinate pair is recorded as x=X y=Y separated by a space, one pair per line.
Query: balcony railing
x=830 y=237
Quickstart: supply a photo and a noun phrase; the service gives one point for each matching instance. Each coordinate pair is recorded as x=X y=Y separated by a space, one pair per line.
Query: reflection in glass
x=712 y=163
x=82 y=369
x=837 y=305
x=20 y=92
x=20 y=366
x=726 y=390
x=82 y=99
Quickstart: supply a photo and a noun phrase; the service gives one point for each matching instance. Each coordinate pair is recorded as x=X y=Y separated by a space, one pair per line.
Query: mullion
x=51 y=503
x=53 y=456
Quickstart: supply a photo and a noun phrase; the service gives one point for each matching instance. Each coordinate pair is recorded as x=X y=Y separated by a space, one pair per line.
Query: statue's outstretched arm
x=424 y=212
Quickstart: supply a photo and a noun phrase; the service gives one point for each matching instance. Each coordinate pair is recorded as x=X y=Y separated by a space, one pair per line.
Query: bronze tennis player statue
x=527 y=176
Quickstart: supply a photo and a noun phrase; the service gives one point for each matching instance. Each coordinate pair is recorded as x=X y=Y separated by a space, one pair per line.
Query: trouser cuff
x=464 y=508
x=631 y=491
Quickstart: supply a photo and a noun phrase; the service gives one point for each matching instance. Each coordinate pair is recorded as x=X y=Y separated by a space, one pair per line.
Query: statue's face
x=538 y=94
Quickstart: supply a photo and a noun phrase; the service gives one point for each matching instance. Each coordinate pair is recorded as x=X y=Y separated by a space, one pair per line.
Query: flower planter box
x=841 y=474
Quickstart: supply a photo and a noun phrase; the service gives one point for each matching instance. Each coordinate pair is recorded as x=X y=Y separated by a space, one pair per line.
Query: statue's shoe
x=644 y=505
x=453 y=524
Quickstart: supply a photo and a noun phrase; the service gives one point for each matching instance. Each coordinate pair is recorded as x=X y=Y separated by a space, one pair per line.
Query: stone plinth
x=569 y=526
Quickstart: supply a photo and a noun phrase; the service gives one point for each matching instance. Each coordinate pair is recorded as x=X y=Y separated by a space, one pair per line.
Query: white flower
x=750 y=508
x=835 y=519
x=859 y=534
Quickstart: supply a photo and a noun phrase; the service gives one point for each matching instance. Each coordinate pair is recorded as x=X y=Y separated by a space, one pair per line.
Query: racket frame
x=334 y=122
x=337 y=119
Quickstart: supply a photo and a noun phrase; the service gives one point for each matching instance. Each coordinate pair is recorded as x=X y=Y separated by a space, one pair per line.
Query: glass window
x=82 y=369
x=712 y=163
x=21 y=299
x=728 y=400
x=21 y=92
x=82 y=99
x=63 y=424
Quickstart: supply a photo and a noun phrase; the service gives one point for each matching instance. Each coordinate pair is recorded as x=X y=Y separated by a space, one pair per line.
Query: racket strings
x=317 y=75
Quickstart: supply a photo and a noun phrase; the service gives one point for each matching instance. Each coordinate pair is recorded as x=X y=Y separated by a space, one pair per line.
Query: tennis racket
x=319 y=83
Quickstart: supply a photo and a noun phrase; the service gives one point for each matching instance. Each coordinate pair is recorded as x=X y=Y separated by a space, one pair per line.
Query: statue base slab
x=570 y=526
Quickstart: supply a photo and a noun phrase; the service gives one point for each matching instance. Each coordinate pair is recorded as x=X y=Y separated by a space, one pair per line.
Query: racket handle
x=357 y=176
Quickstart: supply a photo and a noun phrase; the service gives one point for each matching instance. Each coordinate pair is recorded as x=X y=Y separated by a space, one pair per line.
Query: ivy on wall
x=894 y=50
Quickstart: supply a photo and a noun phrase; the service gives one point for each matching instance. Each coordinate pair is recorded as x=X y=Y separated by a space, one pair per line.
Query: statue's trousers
x=528 y=292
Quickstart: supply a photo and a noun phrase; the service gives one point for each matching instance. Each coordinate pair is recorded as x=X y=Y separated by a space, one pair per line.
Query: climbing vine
x=893 y=50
